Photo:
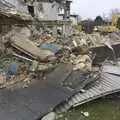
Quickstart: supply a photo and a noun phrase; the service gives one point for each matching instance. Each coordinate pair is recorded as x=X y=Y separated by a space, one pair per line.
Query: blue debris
x=50 y=46
x=13 y=69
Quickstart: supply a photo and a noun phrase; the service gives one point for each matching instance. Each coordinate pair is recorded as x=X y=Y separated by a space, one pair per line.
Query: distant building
x=72 y=17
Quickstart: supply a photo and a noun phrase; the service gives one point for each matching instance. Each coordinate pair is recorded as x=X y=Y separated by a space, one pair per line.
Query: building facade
x=72 y=17
x=15 y=4
x=46 y=10
x=42 y=9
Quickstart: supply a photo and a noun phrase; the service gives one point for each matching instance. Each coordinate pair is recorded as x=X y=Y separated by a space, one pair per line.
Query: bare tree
x=113 y=12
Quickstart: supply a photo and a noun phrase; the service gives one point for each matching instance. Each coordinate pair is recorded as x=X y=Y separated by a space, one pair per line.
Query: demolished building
x=19 y=9
x=39 y=6
x=18 y=27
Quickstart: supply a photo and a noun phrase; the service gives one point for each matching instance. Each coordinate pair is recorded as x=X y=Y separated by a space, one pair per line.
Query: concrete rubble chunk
x=23 y=44
x=26 y=31
x=2 y=77
x=34 y=66
x=50 y=116
x=79 y=66
x=44 y=67
x=83 y=63
x=52 y=47
x=59 y=75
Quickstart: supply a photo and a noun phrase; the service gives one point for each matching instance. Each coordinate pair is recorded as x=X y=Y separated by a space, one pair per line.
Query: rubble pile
x=31 y=51
x=91 y=40
x=31 y=58
x=12 y=70
x=41 y=53
x=83 y=63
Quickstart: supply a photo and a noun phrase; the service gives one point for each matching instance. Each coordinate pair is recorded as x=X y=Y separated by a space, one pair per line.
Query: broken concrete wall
x=51 y=13
x=67 y=29
x=46 y=10
x=10 y=18
x=7 y=21
x=15 y=4
x=104 y=53
x=39 y=10
x=43 y=10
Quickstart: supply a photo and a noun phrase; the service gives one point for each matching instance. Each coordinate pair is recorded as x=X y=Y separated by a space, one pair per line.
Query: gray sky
x=92 y=8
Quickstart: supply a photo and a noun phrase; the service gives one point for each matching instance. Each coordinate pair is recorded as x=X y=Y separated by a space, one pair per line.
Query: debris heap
x=29 y=52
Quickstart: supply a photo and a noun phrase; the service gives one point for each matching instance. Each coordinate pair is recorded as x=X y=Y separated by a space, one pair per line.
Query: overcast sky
x=92 y=8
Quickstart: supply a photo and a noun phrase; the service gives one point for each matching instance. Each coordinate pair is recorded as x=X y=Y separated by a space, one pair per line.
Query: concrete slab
x=30 y=103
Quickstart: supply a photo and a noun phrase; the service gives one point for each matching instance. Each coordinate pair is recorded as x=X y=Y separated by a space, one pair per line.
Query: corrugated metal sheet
x=108 y=83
